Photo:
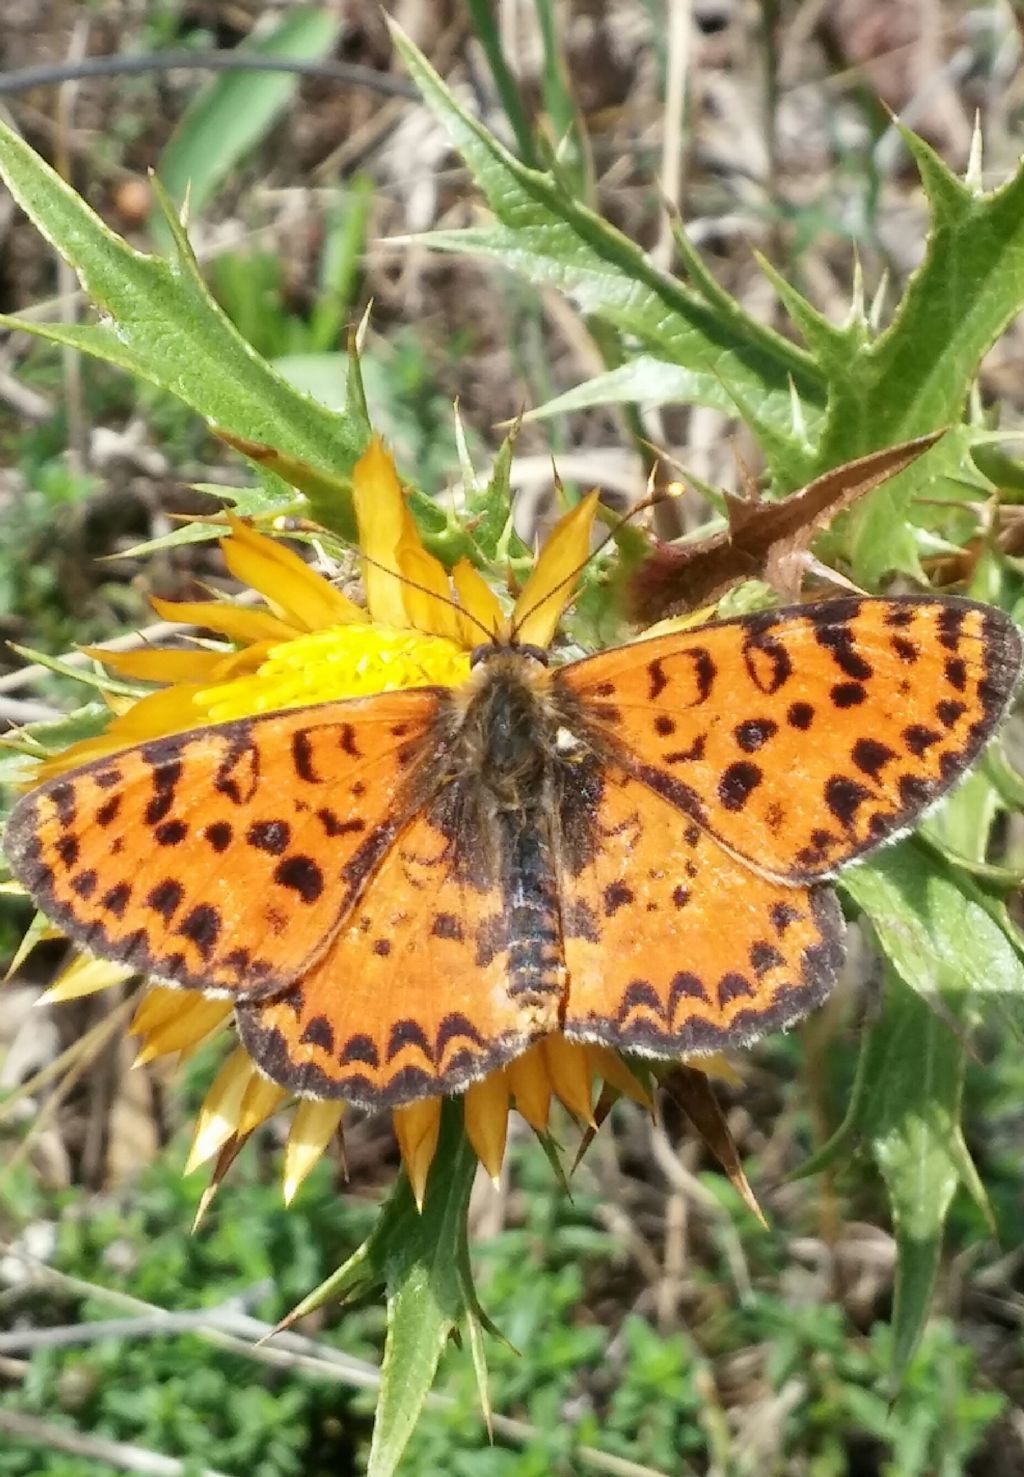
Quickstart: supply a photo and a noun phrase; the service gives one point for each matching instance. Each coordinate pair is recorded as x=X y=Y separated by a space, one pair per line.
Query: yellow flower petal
x=530 y=1086
x=295 y=591
x=609 y=1065
x=570 y=1075
x=159 y=1005
x=486 y=1119
x=417 y=1126
x=84 y=976
x=158 y=713
x=153 y=664
x=427 y=593
x=483 y=614
x=313 y=1127
x=259 y=1100
x=380 y=510
x=238 y=622
x=552 y=582
x=674 y=623
x=717 y=1066
x=217 y=1119
x=191 y=1023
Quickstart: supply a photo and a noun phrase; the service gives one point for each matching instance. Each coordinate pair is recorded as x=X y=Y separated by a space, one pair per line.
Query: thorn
x=796 y=414
x=363 y=327
x=856 y=313
x=973 y=176
x=877 y=307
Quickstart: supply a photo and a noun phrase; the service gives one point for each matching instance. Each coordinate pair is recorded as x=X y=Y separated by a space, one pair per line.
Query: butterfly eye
x=535 y=653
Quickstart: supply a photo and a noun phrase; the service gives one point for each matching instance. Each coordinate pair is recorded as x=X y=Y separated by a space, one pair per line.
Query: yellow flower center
x=340 y=662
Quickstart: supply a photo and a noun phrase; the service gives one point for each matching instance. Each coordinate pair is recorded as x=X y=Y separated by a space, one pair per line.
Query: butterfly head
x=489 y=650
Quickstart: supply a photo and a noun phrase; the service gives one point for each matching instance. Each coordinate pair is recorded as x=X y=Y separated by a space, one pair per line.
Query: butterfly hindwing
x=803 y=737
x=223 y=859
x=673 y=946
x=417 y=993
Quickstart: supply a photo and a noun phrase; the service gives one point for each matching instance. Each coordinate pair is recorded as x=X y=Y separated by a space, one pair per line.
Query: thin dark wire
x=347 y=73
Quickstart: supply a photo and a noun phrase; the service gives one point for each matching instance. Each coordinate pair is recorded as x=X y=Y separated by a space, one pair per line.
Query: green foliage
x=235 y=111
x=629 y=1392
x=161 y=325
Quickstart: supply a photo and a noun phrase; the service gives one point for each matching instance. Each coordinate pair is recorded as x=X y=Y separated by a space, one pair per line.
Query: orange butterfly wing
x=223 y=859
x=801 y=738
x=672 y=945
x=421 y=991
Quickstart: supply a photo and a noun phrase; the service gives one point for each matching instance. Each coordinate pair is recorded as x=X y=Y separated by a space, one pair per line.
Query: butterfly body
x=401 y=892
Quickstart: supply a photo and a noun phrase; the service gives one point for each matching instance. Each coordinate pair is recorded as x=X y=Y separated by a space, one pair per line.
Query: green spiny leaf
x=162 y=325
x=553 y=240
x=940 y=940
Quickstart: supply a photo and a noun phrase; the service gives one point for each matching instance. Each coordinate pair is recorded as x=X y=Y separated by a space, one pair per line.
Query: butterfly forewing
x=223 y=859
x=801 y=738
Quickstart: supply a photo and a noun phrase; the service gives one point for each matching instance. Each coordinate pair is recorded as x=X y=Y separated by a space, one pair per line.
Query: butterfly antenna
x=412 y=584
x=652 y=500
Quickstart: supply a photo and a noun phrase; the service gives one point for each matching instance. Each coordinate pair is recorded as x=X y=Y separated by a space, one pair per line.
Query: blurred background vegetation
x=659 y=1328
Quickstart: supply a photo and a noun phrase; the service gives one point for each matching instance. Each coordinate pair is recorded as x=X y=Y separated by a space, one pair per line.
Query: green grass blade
x=232 y=114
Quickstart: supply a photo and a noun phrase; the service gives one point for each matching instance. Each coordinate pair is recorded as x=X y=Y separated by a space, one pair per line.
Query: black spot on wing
x=871 y=756
x=907 y=651
x=768 y=663
x=407 y=1033
x=273 y=837
x=219 y=835
x=318 y=1032
x=950 y=623
x=166 y=898
x=949 y=712
x=685 y=986
x=955 y=669
x=106 y=814
x=617 y=895
x=63 y=796
x=170 y=833
x=302 y=757
x=447 y=926
x=84 y=884
x=656 y=680
x=844 y=797
x=202 y=926
x=919 y=738
x=753 y=733
x=838 y=639
x=764 y=956
x=782 y=915
x=302 y=875
x=238 y=774
x=117 y=899
x=733 y=986
x=738 y=783
x=360 y=1048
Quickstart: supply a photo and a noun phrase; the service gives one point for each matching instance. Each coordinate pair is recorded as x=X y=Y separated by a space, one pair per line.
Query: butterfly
x=400 y=893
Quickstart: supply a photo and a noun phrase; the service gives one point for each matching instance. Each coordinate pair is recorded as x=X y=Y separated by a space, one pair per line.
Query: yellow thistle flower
x=310 y=643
